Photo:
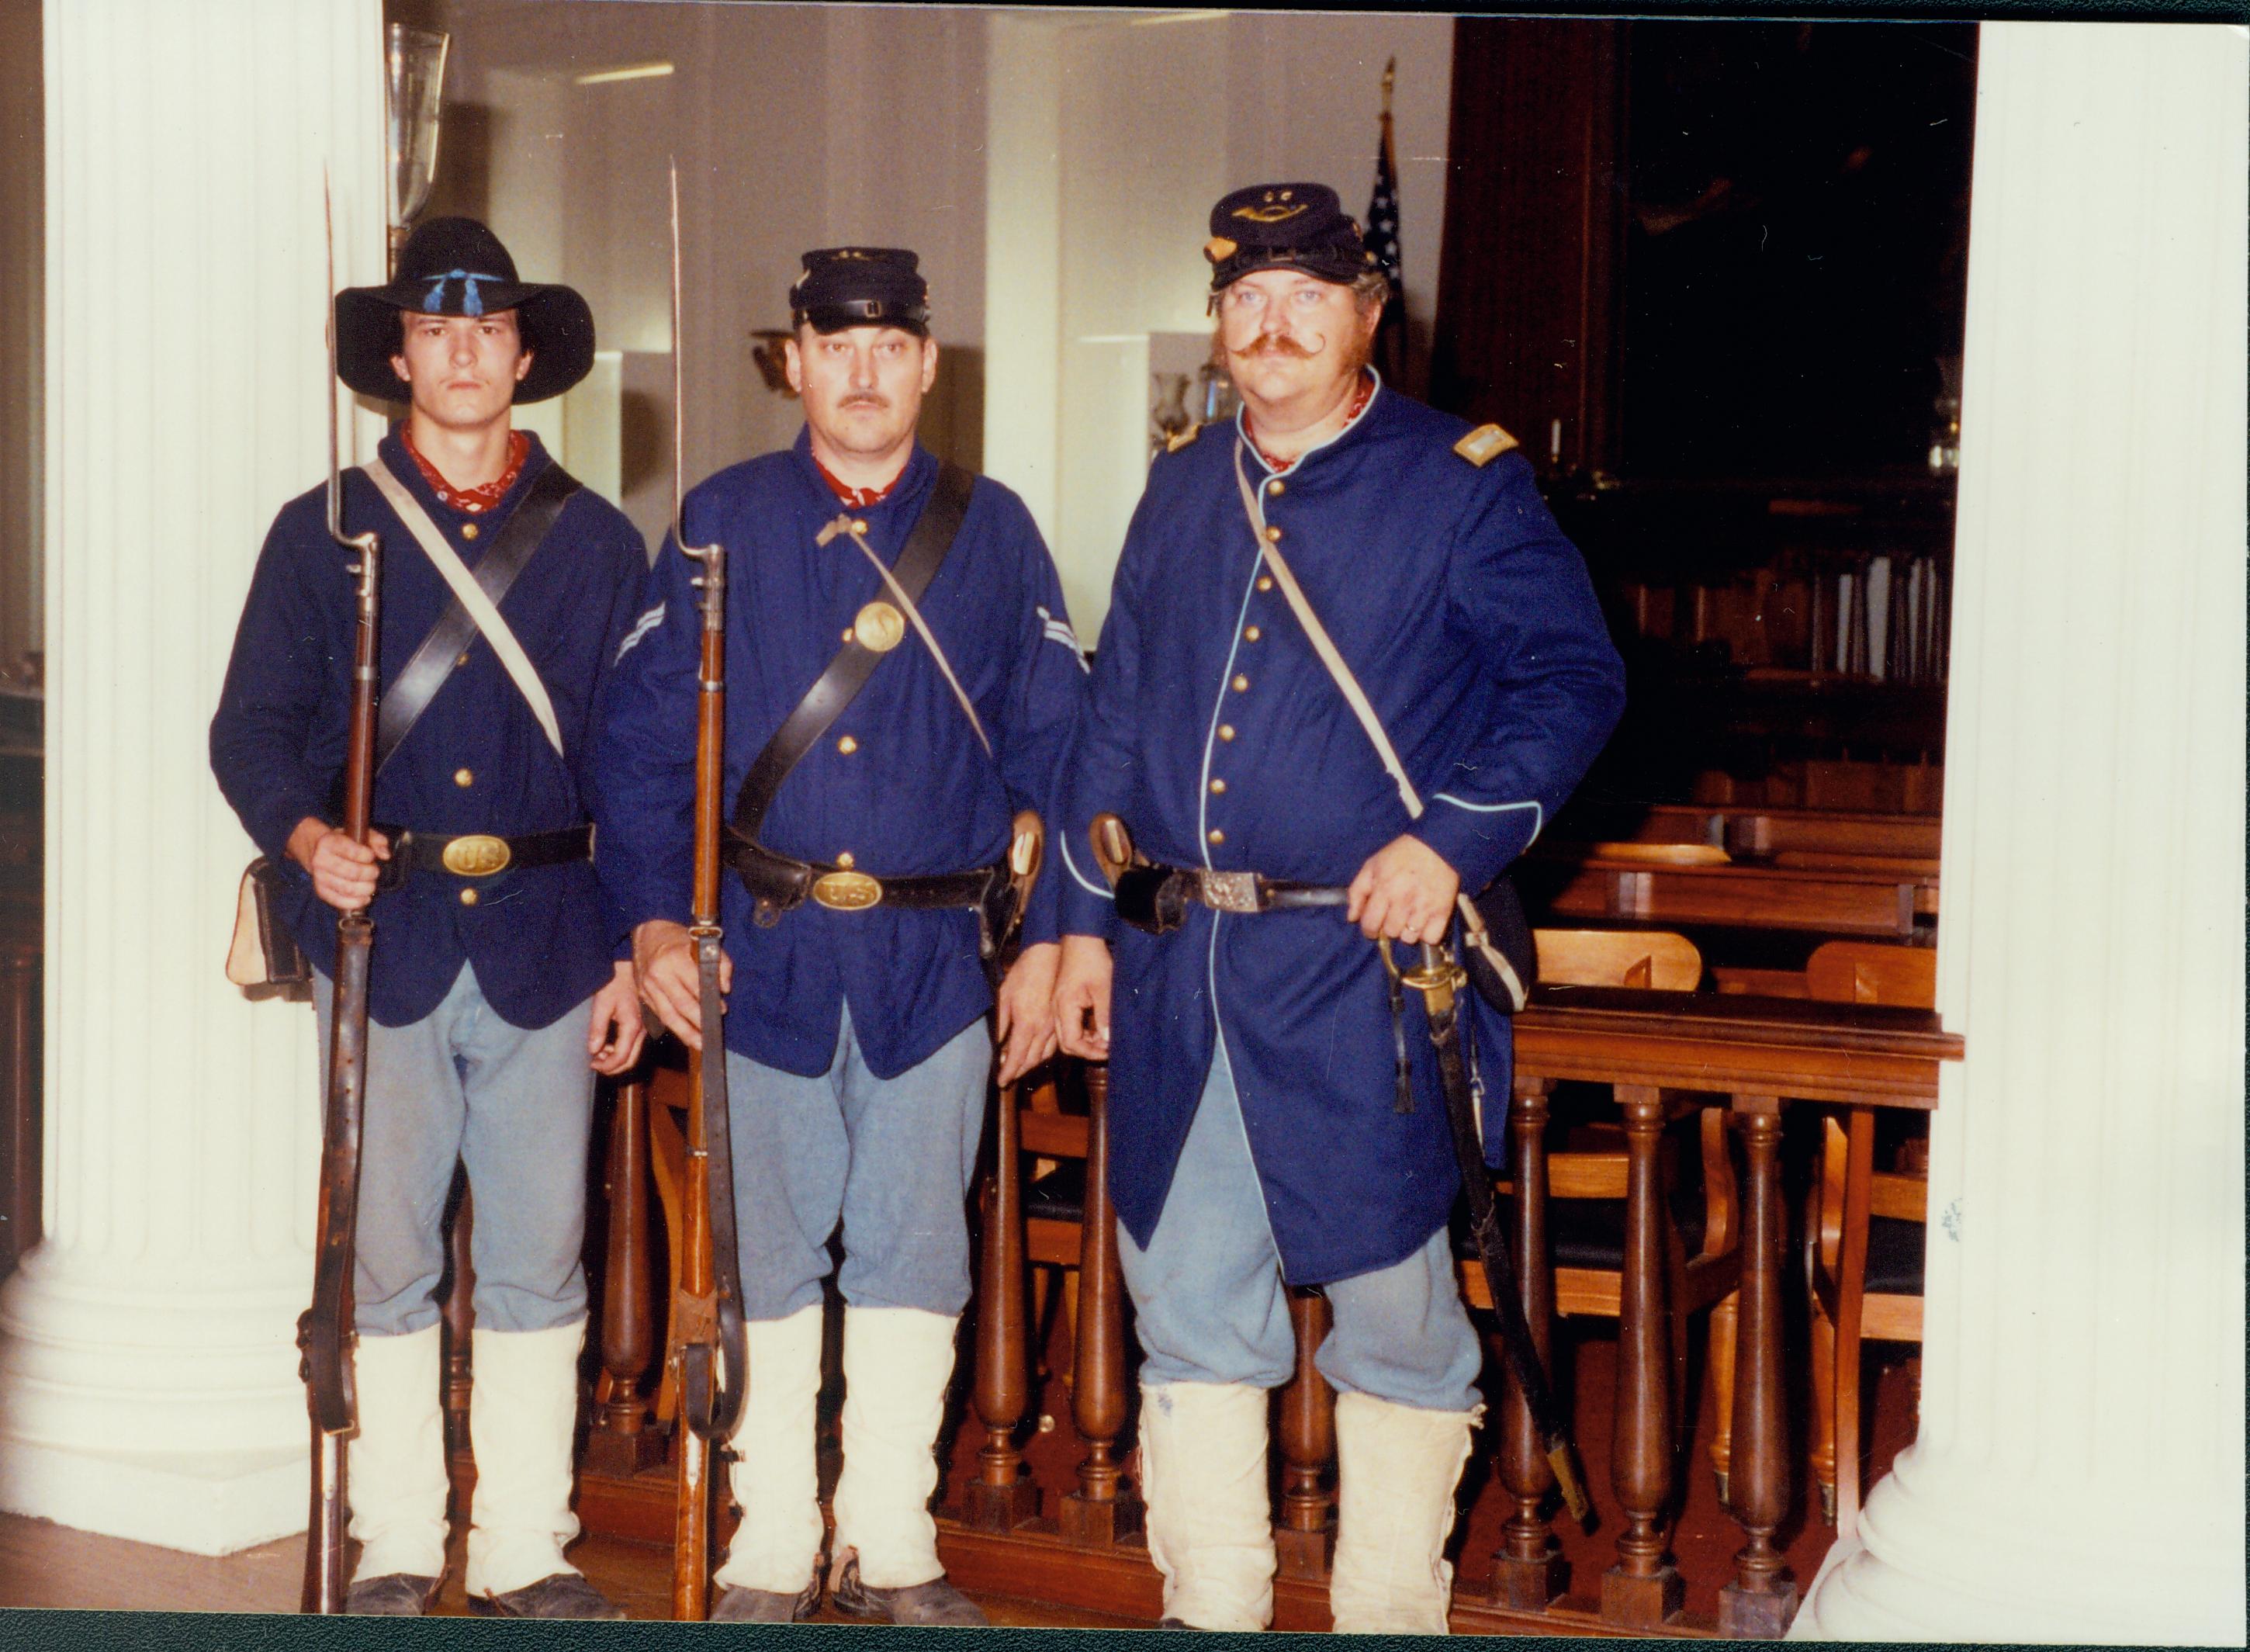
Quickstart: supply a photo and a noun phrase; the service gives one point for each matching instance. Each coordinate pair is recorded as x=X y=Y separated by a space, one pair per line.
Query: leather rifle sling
x=918 y=561
x=409 y=694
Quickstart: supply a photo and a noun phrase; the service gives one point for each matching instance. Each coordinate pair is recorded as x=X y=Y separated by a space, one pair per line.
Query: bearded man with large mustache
x=1267 y=1125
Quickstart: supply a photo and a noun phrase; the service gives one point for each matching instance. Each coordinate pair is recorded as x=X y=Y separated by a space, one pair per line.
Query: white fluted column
x=147 y=1372
x=2080 y=1468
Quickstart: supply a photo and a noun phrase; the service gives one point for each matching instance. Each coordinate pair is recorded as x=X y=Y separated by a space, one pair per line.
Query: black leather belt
x=1156 y=898
x=779 y=883
x=477 y=854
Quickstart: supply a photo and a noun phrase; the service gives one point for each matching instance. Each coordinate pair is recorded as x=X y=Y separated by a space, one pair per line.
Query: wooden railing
x=1054 y=1517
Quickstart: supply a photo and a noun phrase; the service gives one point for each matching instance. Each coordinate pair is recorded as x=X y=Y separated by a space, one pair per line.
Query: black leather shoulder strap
x=418 y=684
x=919 y=558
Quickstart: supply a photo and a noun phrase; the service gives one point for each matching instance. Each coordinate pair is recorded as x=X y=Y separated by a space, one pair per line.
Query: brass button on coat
x=1252 y=634
x=1217 y=786
x=468 y=897
x=1217 y=836
x=1241 y=683
x=847 y=745
x=845 y=858
x=1226 y=731
x=1274 y=535
x=464 y=777
x=461 y=658
x=1265 y=581
x=1274 y=487
x=468 y=530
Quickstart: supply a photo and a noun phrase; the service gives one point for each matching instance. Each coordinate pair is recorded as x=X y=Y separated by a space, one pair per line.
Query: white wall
x=1054 y=169
x=795 y=127
x=1111 y=137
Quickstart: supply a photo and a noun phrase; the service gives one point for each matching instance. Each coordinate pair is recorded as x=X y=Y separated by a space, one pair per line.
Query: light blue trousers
x=890 y=1158
x=1211 y=1306
x=516 y=1108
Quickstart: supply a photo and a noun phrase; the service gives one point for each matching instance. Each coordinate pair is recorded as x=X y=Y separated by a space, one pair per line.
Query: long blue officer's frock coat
x=1218 y=735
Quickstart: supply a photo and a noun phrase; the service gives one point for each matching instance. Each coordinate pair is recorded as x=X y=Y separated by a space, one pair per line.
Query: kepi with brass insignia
x=1299 y=226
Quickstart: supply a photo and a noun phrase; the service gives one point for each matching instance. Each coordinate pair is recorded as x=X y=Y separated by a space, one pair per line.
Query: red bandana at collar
x=1279 y=466
x=471 y=500
x=858 y=498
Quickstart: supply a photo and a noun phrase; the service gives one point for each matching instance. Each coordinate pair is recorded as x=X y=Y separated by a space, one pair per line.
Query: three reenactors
x=1268 y=1123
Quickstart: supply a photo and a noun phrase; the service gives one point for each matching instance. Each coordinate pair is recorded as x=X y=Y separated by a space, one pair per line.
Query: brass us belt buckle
x=478 y=856
x=846 y=891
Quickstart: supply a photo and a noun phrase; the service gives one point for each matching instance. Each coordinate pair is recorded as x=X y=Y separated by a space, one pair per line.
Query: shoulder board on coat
x=1484 y=444
x=1180 y=439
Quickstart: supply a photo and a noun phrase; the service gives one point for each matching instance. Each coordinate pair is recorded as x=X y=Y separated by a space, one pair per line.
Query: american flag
x=1381 y=238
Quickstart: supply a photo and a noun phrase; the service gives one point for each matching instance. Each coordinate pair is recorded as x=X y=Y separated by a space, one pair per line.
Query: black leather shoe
x=936 y=1604
x=395 y=1594
x=767 y=1605
x=566 y=1594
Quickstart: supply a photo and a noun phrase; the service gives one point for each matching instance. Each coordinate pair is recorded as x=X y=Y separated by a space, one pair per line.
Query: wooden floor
x=48 y=1566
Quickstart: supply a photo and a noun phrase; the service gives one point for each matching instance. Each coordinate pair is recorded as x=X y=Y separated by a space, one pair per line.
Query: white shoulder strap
x=464 y=584
x=1355 y=697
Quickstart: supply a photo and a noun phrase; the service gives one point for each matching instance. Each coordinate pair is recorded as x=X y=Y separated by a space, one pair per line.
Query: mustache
x=864 y=398
x=1277 y=344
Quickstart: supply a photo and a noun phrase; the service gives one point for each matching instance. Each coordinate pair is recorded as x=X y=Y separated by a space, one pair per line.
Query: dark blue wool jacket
x=476 y=761
x=913 y=791
x=1217 y=733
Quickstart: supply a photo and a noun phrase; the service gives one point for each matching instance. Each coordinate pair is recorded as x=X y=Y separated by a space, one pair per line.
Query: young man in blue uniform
x=856 y=1048
x=1261 y=1131
x=494 y=995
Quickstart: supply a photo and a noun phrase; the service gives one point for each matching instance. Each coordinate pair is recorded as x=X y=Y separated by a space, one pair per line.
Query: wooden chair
x=1585 y=1184
x=1865 y=1233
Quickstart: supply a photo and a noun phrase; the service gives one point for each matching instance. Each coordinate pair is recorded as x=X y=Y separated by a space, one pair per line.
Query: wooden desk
x=1856 y=899
x=1744 y=829
x=1761 y=1053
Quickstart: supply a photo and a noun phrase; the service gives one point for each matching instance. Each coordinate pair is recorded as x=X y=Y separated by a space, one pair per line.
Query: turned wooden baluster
x=1002 y=1496
x=620 y=1441
x=1643 y=1588
x=1528 y=1573
x=1762 y=1598
x=459 y=1316
x=1305 y=1535
x=19 y=1113
x=1104 y=1508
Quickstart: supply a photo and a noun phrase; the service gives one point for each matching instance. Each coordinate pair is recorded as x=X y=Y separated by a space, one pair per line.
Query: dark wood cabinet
x=1712 y=276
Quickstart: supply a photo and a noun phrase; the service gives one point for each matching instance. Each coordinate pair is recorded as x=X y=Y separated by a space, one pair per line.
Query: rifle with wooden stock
x=708 y=1346
x=324 y=1337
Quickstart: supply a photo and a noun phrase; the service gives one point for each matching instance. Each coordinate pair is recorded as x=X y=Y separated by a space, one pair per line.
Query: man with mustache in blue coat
x=1274 y=1119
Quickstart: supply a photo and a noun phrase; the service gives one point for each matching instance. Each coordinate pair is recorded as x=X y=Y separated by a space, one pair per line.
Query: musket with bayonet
x=324 y=1333
x=1439 y=980
x=708 y=1346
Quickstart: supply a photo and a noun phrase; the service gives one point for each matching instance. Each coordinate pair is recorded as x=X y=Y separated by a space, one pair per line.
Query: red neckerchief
x=1366 y=389
x=858 y=498
x=471 y=500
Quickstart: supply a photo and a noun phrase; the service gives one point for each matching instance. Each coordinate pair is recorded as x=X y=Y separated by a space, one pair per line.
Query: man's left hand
x=614 y=1032
x=1026 y=1024
x=1405 y=892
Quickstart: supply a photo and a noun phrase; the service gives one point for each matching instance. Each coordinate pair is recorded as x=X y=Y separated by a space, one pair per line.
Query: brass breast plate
x=847 y=891
x=476 y=857
x=880 y=628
